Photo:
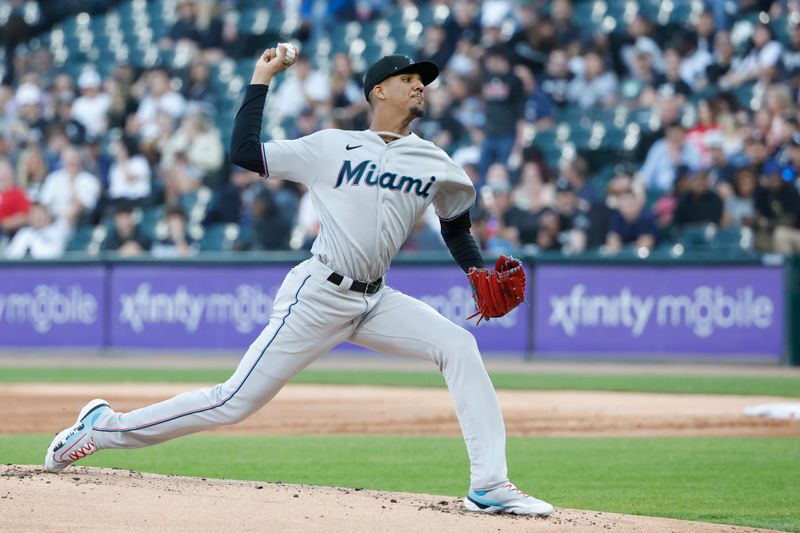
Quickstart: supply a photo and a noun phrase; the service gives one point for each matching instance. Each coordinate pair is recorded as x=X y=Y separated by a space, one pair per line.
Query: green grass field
x=744 y=481
x=681 y=384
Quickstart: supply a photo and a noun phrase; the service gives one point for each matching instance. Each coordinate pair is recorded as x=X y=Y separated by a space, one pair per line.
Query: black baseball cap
x=398 y=64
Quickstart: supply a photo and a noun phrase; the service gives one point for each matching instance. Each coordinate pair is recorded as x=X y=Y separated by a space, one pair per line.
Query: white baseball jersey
x=368 y=193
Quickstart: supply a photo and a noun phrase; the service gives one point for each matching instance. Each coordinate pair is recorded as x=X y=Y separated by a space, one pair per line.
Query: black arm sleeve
x=460 y=243
x=246 y=136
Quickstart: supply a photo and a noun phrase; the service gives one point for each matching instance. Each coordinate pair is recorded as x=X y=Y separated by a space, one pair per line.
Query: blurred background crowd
x=587 y=126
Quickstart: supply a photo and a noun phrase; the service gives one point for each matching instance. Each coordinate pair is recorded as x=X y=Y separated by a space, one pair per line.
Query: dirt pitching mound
x=98 y=499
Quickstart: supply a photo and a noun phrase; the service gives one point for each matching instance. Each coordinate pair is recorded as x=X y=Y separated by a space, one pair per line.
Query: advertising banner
x=694 y=311
x=191 y=306
x=198 y=307
x=52 y=306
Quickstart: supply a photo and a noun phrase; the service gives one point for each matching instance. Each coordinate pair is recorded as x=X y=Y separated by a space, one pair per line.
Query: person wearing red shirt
x=14 y=203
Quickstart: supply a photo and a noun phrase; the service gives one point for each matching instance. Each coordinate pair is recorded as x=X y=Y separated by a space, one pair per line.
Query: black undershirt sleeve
x=460 y=242
x=246 y=135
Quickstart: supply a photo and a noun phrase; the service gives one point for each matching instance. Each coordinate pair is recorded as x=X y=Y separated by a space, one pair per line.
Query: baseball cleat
x=506 y=499
x=76 y=441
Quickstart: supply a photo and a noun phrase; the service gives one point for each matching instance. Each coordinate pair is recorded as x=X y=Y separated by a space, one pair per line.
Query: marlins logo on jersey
x=387 y=180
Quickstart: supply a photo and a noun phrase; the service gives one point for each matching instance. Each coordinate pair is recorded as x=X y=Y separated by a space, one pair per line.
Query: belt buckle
x=376 y=284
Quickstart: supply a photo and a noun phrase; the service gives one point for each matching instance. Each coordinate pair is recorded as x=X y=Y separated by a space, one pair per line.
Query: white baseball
x=291 y=53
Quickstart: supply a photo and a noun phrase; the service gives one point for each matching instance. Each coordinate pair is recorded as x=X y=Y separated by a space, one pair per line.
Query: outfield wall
x=586 y=309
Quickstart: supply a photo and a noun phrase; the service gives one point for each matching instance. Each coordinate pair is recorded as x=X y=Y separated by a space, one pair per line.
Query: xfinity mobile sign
x=52 y=306
x=227 y=307
x=725 y=311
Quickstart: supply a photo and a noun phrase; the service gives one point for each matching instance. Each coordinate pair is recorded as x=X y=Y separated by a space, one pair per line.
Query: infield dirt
x=96 y=499
x=336 y=409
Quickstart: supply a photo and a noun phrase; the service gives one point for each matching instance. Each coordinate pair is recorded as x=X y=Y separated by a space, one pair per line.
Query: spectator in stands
x=504 y=98
x=760 y=62
x=600 y=214
x=594 y=86
x=129 y=176
x=740 y=208
x=566 y=31
x=301 y=87
x=91 y=107
x=757 y=154
x=533 y=40
x=671 y=84
x=121 y=103
x=548 y=230
x=639 y=39
x=32 y=123
x=63 y=120
x=14 y=203
x=435 y=47
x=557 y=77
x=31 y=170
x=533 y=192
x=706 y=124
x=177 y=242
x=638 y=89
x=125 y=236
x=528 y=199
x=71 y=193
x=197 y=90
x=665 y=156
x=423 y=238
x=789 y=164
x=272 y=230
x=700 y=204
x=185 y=28
x=42 y=238
x=573 y=221
x=193 y=154
x=721 y=63
x=97 y=160
x=538 y=110
x=705 y=31
x=488 y=240
x=462 y=24
x=576 y=172
x=631 y=224
x=779 y=112
x=347 y=95
x=305 y=124
x=790 y=59
x=778 y=207
x=232 y=203
x=159 y=98
x=439 y=125
x=720 y=171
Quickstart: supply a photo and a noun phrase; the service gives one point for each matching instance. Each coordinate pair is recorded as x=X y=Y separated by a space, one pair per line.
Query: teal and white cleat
x=76 y=441
x=506 y=499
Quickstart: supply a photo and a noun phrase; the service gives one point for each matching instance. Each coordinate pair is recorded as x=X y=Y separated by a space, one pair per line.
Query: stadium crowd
x=138 y=156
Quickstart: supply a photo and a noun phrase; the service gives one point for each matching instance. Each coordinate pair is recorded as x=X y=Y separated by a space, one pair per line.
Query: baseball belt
x=357 y=286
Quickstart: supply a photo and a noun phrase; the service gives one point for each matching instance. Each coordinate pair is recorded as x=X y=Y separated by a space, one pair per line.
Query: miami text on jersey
x=387 y=180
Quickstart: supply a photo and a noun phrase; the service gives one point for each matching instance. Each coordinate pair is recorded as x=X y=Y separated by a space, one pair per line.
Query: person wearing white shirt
x=91 y=108
x=306 y=87
x=129 y=176
x=760 y=62
x=665 y=158
x=160 y=97
x=70 y=191
x=43 y=238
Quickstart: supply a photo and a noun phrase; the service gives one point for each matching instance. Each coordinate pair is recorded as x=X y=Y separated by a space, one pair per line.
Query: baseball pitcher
x=368 y=188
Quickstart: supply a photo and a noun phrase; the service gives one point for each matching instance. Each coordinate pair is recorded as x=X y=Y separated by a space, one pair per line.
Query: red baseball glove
x=497 y=291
